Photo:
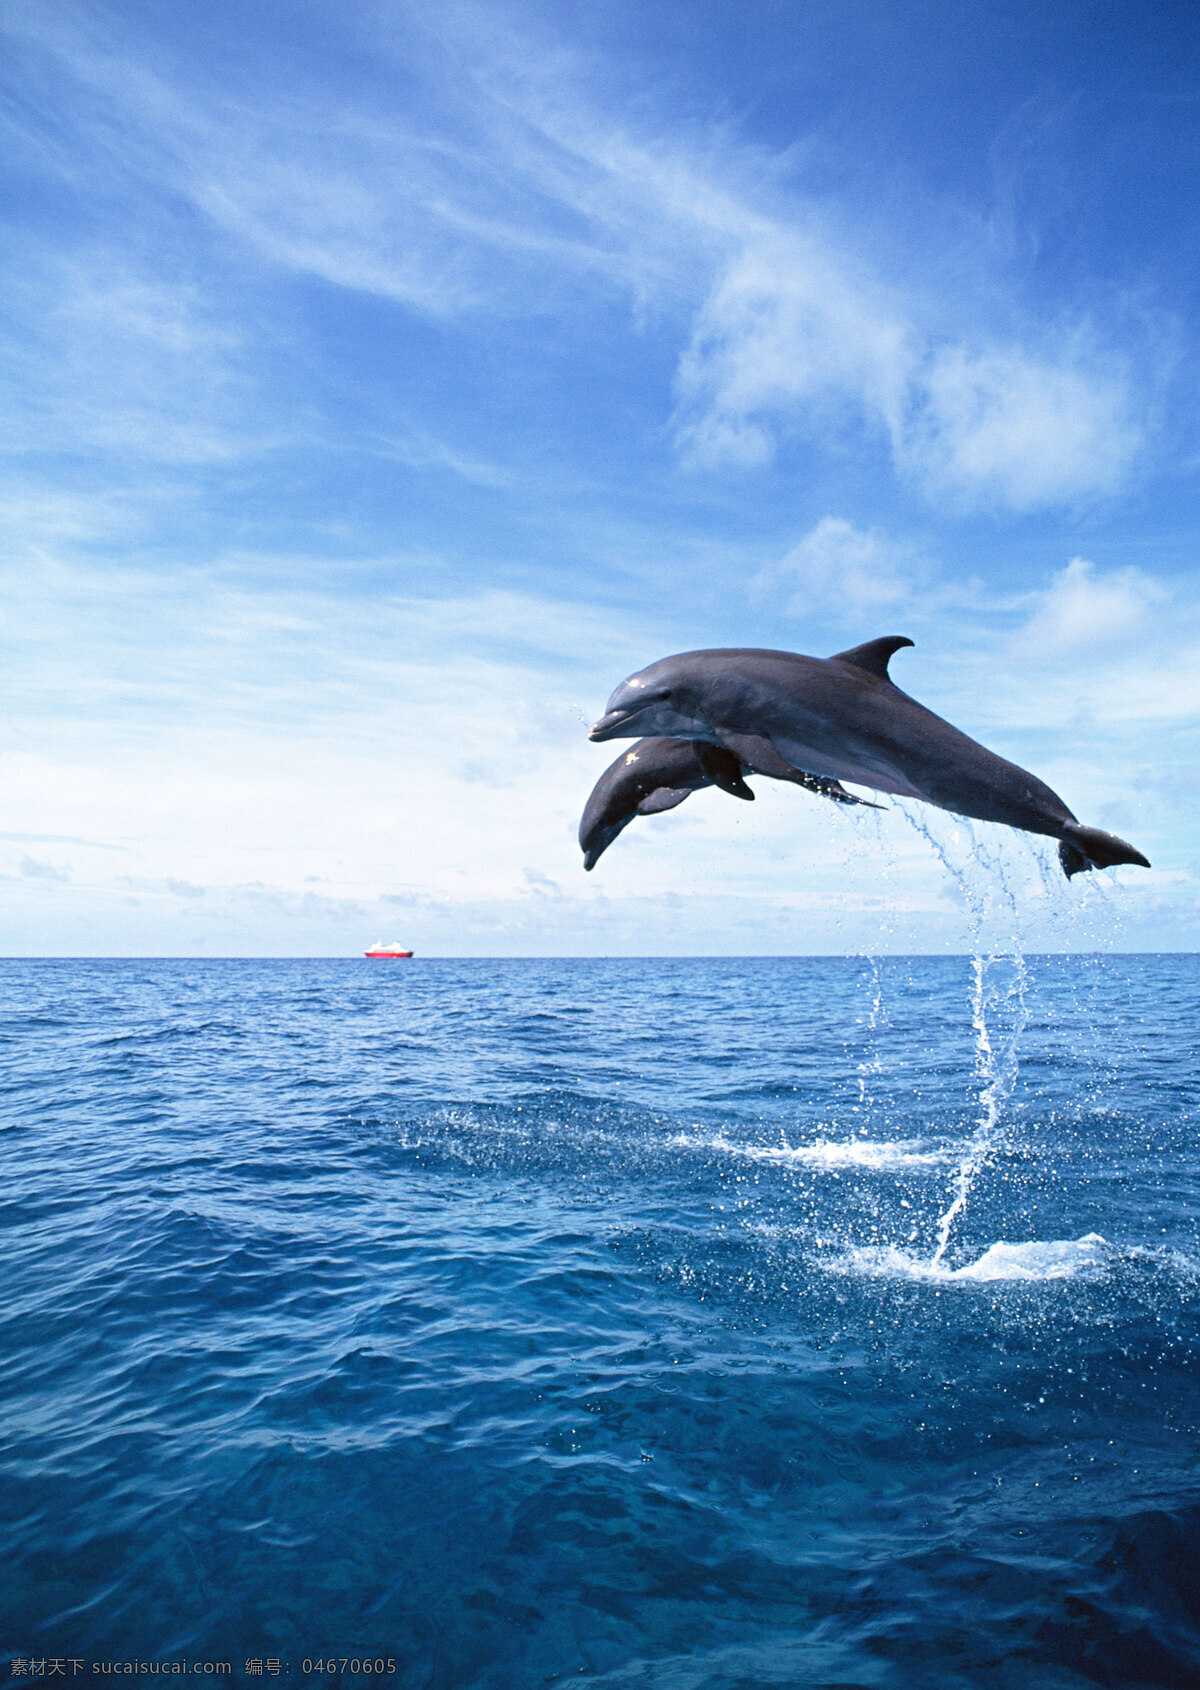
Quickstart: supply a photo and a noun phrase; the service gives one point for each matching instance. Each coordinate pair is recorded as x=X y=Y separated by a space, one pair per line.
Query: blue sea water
x=661 y=1325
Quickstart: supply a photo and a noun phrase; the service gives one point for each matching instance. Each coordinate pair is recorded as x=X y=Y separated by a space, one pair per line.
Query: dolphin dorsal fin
x=872 y=658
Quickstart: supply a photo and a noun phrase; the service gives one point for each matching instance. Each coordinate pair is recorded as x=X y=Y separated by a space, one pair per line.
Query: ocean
x=647 y=1325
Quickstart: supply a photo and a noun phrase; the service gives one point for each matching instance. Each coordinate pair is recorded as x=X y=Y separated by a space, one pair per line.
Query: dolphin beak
x=608 y=726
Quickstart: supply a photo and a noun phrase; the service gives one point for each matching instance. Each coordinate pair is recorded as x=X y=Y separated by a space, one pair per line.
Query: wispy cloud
x=57 y=839
x=422 y=450
x=524 y=196
x=788 y=336
x=1084 y=609
x=842 y=572
x=1001 y=425
x=792 y=339
x=33 y=868
x=1091 y=680
x=118 y=357
x=378 y=405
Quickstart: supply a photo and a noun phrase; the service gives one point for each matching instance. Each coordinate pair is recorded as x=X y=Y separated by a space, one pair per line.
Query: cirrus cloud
x=511 y=187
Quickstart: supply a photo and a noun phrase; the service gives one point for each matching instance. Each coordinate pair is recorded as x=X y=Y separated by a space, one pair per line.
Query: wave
x=871 y=1154
x=1062 y=1258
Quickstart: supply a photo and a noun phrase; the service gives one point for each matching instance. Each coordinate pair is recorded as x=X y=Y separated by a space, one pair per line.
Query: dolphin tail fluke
x=1073 y=861
x=1081 y=849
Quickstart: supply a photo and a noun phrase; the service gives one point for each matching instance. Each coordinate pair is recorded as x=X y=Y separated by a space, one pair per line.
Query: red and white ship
x=392 y=949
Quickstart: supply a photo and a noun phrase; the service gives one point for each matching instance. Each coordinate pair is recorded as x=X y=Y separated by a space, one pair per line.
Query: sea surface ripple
x=582 y=1322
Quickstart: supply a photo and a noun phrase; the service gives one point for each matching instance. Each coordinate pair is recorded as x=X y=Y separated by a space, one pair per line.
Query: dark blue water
x=577 y=1323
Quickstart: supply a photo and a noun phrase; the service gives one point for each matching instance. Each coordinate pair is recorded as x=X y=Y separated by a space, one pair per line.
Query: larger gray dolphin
x=659 y=773
x=843 y=718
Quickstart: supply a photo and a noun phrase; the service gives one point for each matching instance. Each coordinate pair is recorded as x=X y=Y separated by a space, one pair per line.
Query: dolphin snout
x=606 y=727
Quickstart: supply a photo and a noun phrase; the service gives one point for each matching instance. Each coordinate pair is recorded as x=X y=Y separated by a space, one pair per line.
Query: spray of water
x=999 y=1012
x=999 y=1005
x=871 y=1065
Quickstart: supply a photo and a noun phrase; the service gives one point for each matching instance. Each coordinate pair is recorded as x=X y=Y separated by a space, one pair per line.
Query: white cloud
x=277 y=766
x=118 y=357
x=508 y=187
x=421 y=450
x=1093 y=682
x=1083 y=610
x=794 y=338
x=257 y=728
x=1002 y=425
x=223 y=735
x=839 y=571
x=34 y=869
x=785 y=328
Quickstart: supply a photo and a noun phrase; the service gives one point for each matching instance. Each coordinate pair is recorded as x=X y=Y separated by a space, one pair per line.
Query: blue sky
x=386 y=382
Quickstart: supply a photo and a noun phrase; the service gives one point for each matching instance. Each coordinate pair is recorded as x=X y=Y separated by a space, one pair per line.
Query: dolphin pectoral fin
x=872 y=658
x=834 y=789
x=723 y=769
x=756 y=752
x=1083 y=848
x=662 y=798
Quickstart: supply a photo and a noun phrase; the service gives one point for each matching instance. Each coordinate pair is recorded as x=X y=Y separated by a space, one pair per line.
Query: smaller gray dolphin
x=843 y=718
x=660 y=772
x=656 y=775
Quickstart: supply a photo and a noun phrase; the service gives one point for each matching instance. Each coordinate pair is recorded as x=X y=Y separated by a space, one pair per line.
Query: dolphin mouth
x=609 y=724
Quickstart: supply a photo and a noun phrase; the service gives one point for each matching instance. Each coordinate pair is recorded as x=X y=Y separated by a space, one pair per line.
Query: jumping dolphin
x=659 y=773
x=843 y=718
x=656 y=775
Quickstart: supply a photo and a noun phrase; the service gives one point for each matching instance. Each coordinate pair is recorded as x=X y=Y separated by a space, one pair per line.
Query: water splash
x=1000 y=880
x=993 y=1001
x=883 y=1156
x=871 y=1065
x=869 y=1068
x=1084 y=1258
x=998 y=998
